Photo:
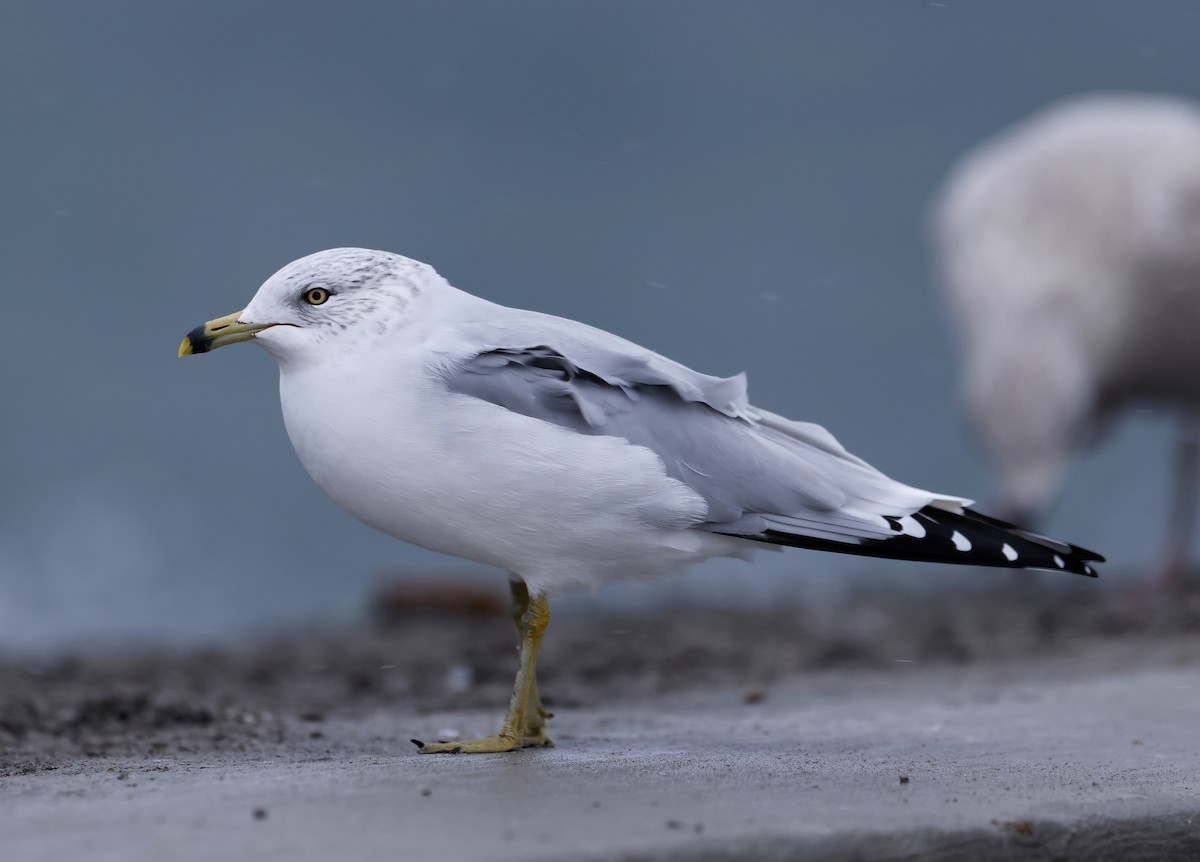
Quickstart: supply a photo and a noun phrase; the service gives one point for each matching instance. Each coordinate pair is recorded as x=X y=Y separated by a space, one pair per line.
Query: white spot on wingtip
x=960 y=541
x=1009 y=552
x=912 y=527
x=1058 y=561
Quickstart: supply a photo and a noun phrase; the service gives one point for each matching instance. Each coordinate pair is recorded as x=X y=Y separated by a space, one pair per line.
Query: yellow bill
x=217 y=333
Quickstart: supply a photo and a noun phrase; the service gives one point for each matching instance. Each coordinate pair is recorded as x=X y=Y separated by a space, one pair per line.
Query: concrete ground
x=1086 y=749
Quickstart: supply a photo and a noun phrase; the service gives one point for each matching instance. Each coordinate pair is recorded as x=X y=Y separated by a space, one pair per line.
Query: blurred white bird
x=562 y=453
x=1069 y=250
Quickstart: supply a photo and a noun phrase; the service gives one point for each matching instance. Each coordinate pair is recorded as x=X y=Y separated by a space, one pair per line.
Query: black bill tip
x=196 y=341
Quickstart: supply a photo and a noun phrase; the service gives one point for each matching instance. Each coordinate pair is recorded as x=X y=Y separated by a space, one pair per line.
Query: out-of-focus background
x=739 y=186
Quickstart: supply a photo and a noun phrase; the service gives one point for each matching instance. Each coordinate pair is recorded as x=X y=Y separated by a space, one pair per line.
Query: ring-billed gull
x=1070 y=250
x=562 y=453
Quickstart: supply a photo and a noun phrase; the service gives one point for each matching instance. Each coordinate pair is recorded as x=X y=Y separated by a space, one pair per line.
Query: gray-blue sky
x=742 y=186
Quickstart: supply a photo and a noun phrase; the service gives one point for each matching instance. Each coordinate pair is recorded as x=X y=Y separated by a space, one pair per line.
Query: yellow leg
x=534 y=731
x=525 y=724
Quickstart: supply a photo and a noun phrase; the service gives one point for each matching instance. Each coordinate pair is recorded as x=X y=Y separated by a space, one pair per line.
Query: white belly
x=458 y=475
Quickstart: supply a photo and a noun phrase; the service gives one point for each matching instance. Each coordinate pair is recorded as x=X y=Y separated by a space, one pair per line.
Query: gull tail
x=936 y=535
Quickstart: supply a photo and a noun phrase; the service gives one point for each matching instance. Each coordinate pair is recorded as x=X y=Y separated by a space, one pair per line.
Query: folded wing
x=764 y=478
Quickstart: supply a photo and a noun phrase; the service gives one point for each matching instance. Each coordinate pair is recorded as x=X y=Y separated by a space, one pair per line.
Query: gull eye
x=316 y=296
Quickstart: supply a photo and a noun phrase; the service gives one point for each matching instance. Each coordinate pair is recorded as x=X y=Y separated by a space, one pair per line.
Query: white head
x=324 y=304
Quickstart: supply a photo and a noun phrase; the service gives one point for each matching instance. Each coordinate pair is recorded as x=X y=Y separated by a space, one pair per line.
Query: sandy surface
x=1055 y=723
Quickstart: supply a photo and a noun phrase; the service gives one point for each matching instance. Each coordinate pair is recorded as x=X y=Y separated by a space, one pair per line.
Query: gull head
x=329 y=302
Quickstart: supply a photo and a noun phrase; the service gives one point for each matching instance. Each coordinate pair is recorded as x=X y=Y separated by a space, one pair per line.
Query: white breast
x=458 y=475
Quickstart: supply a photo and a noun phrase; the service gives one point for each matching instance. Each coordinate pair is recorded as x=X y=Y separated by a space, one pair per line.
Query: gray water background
x=741 y=186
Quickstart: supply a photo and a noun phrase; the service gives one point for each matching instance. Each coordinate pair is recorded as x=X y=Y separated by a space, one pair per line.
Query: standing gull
x=562 y=453
x=1070 y=253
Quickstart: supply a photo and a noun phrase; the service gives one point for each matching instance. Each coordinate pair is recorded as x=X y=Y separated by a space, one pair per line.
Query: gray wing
x=759 y=474
x=764 y=478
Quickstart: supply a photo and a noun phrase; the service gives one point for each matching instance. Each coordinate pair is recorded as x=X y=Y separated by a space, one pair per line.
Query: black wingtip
x=965 y=538
x=1064 y=556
